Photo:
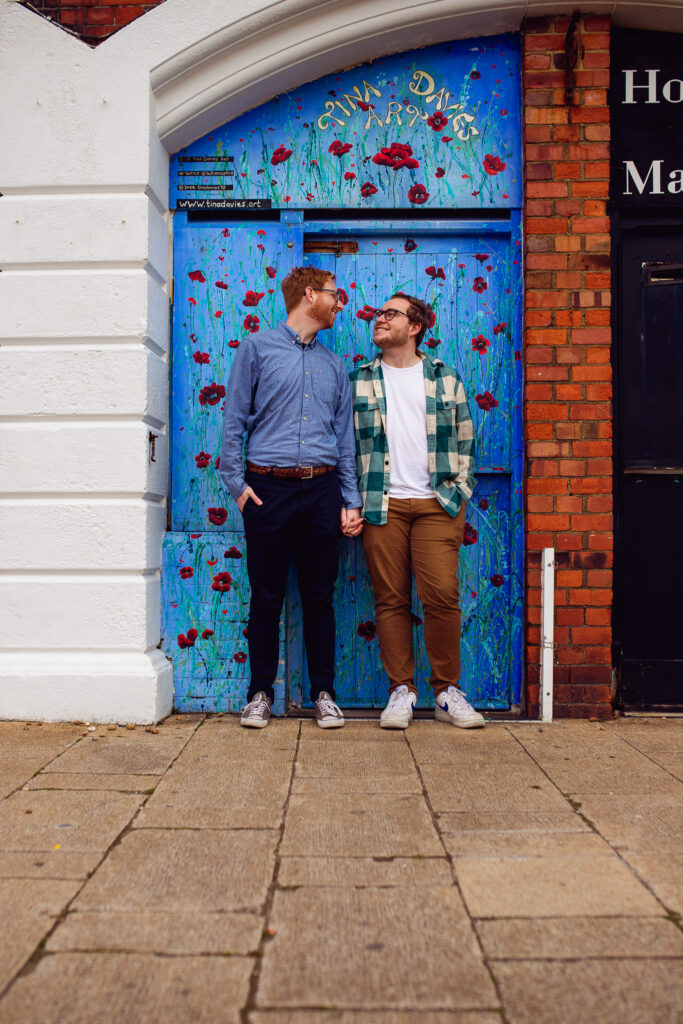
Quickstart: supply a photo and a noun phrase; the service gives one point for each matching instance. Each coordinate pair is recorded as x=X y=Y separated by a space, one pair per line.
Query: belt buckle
x=307 y=472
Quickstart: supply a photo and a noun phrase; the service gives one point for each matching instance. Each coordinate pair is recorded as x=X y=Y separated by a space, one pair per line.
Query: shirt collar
x=294 y=337
x=374 y=364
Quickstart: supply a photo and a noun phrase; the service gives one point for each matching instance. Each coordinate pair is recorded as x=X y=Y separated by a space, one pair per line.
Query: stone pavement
x=206 y=873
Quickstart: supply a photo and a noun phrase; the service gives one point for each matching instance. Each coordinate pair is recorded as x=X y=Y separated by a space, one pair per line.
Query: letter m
x=632 y=175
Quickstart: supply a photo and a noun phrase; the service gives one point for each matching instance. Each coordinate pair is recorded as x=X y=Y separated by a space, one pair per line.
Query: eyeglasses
x=388 y=314
x=332 y=291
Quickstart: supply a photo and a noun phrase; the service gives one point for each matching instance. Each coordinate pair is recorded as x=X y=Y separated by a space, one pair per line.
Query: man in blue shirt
x=291 y=397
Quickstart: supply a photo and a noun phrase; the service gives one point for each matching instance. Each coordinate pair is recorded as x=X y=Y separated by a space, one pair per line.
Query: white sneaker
x=399 y=711
x=327 y=714
x=451 y=706
x=256 y=713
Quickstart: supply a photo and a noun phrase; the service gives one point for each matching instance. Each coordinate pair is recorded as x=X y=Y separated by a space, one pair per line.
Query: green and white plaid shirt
x=450 y=436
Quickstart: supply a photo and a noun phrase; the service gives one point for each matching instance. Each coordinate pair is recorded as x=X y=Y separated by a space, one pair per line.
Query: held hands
x=351 y=522
x=244 y=497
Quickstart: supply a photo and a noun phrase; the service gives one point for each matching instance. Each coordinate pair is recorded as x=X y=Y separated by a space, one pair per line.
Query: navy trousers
x=299 y=518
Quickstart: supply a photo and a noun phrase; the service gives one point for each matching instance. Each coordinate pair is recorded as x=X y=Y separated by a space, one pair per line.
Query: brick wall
x=92 y=20
x=568 y=412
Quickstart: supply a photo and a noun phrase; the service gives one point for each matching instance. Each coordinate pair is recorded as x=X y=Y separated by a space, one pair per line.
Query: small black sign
x=646 y=109
x=224 y=204
x=215 y=187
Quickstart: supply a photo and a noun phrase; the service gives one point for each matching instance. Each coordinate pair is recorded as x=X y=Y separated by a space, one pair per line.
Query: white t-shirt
x=404 y=389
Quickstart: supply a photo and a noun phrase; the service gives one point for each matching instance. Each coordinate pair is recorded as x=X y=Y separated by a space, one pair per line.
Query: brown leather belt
x=290 y=472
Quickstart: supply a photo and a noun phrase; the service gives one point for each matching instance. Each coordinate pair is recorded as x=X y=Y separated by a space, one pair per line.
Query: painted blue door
x=469 y=272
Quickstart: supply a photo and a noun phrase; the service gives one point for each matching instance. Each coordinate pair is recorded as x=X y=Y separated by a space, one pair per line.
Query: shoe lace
x=259 y=705
x=326 y=705
x=400 y=699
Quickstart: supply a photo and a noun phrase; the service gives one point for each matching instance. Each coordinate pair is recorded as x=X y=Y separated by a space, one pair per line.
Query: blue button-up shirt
x=293 y=401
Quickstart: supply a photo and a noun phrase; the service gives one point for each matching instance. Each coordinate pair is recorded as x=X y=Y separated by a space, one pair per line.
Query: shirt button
x=307 y=373
x=306 y=396
x=386 y=492
x=386 y=462
x=305 y=417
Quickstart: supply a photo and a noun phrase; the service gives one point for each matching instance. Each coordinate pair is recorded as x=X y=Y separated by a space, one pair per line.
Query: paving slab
x=30 y=908
x=523 y=844
x=158 y=932
x=229 y=795
x=653 y=736
x=338 y=947
x=82 y=780
x=353 y=758
x=364 y=871
x=314 y=785
x=627 y=771
x=515 y=821
x=577 y=938
x=73 y=820
x=183 y=870
x=39 y=743
x=552 y=886
x=124 y=752
x=121 y=988
x=373 y=1017
x=663 y=873
x=48 y=864
x=469 y=787
x=223 y=739
x=609 y=992
x=358 y=731
x=379 y=826
x=14 y=779
x=439 y=743
x=636 y=822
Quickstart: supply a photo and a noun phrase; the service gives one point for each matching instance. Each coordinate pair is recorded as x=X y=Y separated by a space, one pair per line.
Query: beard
x=321 y=312
x=387 y=339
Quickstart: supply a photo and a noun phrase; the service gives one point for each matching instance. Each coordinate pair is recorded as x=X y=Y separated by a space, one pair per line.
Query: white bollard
x=547 y=632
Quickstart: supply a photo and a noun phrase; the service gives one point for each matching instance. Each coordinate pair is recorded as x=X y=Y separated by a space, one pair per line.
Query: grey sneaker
x=451 y=706
x=327 y=714
x=256 y=713
x=399 y=711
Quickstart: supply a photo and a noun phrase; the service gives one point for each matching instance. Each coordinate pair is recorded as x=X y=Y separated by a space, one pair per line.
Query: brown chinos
x=421 y=536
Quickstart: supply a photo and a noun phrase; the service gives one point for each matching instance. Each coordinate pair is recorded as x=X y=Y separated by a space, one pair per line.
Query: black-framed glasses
x=388 y=314
x=332 y=291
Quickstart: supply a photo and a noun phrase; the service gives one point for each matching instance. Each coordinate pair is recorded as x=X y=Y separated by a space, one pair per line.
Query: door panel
x=472 y=283
x=649 y=550
x=226 y=289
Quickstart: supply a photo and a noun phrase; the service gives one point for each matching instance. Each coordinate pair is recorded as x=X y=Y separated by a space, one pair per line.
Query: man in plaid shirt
x=415 y=462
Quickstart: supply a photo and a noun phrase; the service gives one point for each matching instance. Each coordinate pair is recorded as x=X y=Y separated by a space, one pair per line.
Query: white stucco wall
x=84 y=304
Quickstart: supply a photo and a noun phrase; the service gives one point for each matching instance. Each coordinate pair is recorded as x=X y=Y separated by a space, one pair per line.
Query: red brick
x=566 y=132
x=540 y=431
x=569 y=504
x=568 y=431
x=100 y=16
x=567 y=169
x=568 y=279
x=589 y=188
x=545 y=336
x=550 y=373
x=592 y=449
x=568 y=318
x=588 y=373
x=540 y=504
x=568 y=542
x=544 y=467
x=595 y=60
x=570 y=616
x=538 y=355
x=598 y=132
x=124 y=15
x=597 y=355
x=599 y=577
x=543 y=42
x=546 y=261
x=598 y=616
x=569 y=392
x=591 y=635
x=591 y=335
x=598 y=656
x=547 y=225
x=568 y=355
x=536 y=61
x=598 y=317
x=545 y=485
x=590 y=225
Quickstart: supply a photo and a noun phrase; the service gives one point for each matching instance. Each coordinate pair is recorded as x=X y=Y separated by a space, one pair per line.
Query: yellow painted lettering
x=372 y=115
x=329 y=116
x=395 y=109
x=422 y=83
x=439 y=96
x=410 y=109
x=341 y=106
x=370 y=89
x=464 y=133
